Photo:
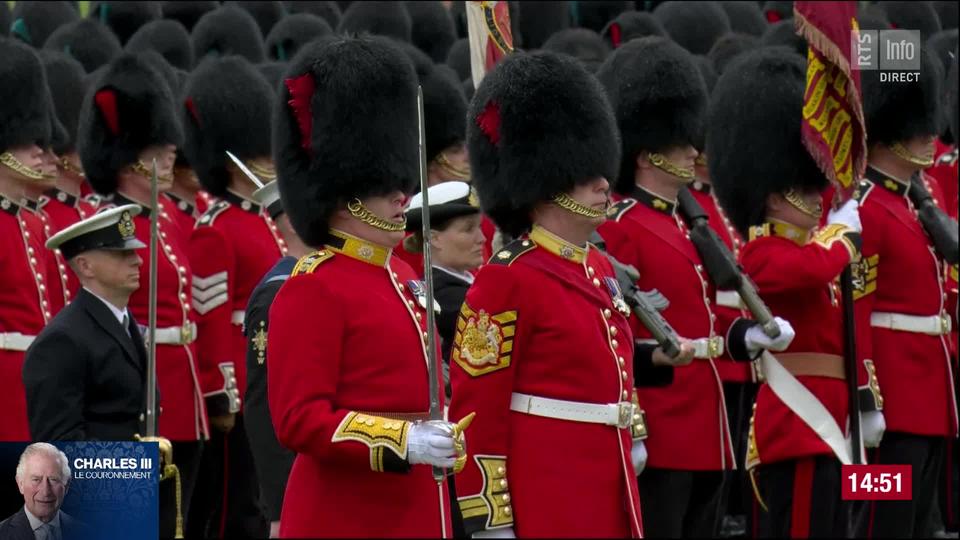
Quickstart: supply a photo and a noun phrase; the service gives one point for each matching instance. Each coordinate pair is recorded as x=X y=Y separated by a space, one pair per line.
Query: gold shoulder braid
x=661 y=162
x=361 y=212
x=13 y=163
x=567 y=203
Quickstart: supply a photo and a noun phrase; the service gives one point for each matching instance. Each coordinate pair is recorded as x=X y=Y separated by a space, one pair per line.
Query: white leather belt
x=177 y=335
x=932 y=325
x=730 y=299
x=237 y=318
x=15 y=341
x=610 y=414
x=703 y=348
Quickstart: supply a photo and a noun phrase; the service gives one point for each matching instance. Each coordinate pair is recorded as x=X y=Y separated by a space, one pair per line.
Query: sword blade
x=151 y=419
x=246 y=170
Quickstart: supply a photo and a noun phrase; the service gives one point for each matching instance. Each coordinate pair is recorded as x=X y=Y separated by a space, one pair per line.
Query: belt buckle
x=186 y=334
x=944 y=324
x=713 y=347
x=625 y=414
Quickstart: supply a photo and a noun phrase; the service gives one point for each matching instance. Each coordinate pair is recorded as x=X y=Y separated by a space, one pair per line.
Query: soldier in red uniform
x=24 y=131
x=773 y=196
x=660 y=98
x=902 y=318
x=348 y=383
x=227 y=108
x=544 y=352
x=126 y=122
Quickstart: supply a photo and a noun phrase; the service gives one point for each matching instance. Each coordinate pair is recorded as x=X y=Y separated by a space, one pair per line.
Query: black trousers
x=737 y=492
x=906 y=519
x=186 y=456
x=680 y=503
x=802 y=499
x=226 y=500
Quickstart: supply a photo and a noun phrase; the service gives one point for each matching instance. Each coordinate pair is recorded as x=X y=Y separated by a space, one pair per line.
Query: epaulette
x=616 y=211
x=309 y=262
x=863 y=190
x=211 y=214
x=512 y=252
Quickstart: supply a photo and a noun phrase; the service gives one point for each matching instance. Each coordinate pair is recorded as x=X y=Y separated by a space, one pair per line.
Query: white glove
x=506 y=532
x=848 y=214
x=756 y=340
x=872 y=426
x=638 y=455
x=431 y=443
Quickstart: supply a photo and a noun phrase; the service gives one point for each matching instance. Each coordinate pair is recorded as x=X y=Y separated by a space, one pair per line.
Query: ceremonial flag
x=489 y=34
x=833 y=128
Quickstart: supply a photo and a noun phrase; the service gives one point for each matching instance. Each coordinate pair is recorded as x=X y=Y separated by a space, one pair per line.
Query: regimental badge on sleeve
x=864 y=274
x=484 y=342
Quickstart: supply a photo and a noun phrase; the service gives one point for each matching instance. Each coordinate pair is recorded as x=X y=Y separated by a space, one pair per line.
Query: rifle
x=627 y=276
x=941 y=228
x=720 y=263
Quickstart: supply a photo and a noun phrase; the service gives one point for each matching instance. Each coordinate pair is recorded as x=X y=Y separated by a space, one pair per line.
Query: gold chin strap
x=140 y=168
x=797 y=202
x=450 y=168
x=567 y=203
x=265 y=172
x=902 y=152
x=13 y=163
x=361 y=212
x=70 y=167
x=701 y=159
x=661 y=162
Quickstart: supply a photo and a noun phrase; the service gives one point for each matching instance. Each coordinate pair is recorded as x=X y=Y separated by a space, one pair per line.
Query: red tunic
x=63 y=210
x=687 y=420
x=233 y=245
x=24 y=309
x=184 y=214
x=729 y=369
x=347 y=335
x=541 y=320
x=900 y=273
x=183 y=416
x=797 y=278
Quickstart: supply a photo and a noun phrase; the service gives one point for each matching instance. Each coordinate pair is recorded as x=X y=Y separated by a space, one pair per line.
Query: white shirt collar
x=465 y=276
x=36 y=523
x=117 y=312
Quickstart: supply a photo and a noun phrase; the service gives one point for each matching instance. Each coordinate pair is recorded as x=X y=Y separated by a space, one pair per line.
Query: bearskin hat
x=896 y=112
x=729 y=47
x=188 y=13
x=293 y=32
x=128 y=109
x=708 y=72
x=272 y=72
x=596 y=15
x=126 y=17
x=327 y=154
x=33 y=21
x=782 y=34
x=89 y=42
x=914 y=15
x=658 y=97
x=947 y=11
x=952 y=93
x=5 y=18
x=943 y=45
x=540 y=19
x=24 y=100
x=432 y=28
x=225 y=31
x=444 y=110
x=538 y=125
x=745 y=17
x=59 y=138
x=631 y=25
x=379 y=18
x=753 y=134
x=458 y=58
x=267 y=14
x=166 y=71
x=872 y=18
x=695 y=25
x=581 y=43
x=169 y=38
x=226 y=107
x=328 y=11
x=67 y=82
x=777 y=10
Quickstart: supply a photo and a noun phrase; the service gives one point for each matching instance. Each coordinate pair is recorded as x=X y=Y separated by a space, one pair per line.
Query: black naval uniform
x=85 y=375
x=272 y=461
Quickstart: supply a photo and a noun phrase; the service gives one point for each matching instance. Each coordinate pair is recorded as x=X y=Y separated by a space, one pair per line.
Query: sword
x=245 y=170
x=151 y=427
x=435 y=412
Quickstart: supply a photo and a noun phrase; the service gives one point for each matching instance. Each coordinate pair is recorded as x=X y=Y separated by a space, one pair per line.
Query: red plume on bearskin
x=301 y=91
x=106 y=101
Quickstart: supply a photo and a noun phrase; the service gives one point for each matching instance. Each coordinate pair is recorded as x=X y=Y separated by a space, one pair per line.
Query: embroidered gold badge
x=260 y=343
x=483 y=342
x=126 y=225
